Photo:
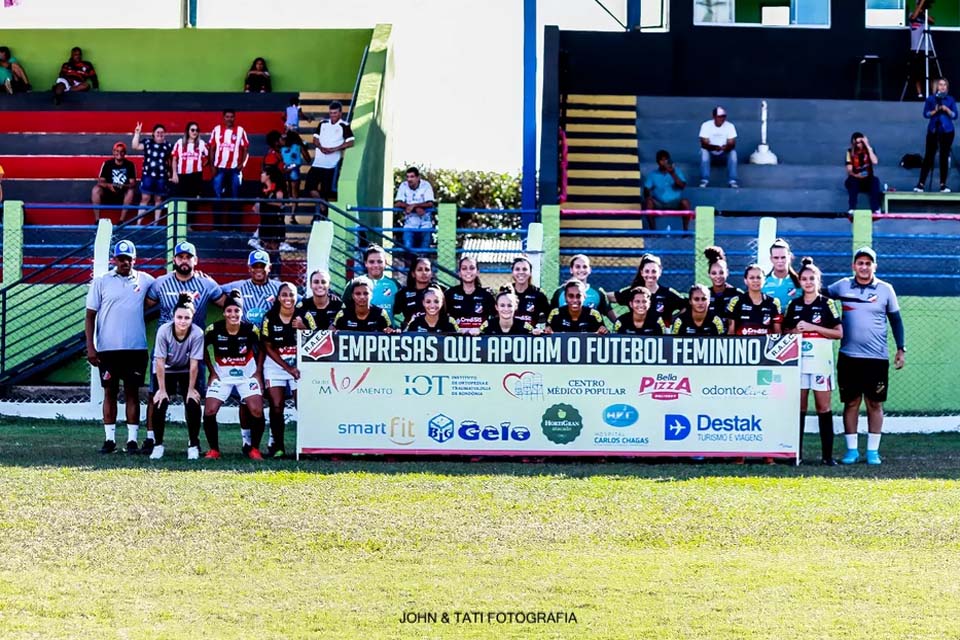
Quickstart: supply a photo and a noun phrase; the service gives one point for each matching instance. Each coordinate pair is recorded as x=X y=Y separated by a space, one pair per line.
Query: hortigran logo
x=562 y=424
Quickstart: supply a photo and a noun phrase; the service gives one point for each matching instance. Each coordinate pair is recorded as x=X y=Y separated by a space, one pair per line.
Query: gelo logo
x=675 y=427
x=562 y=424
x=664 y=386
x=319 y=345
x=472 y=431
x=620 y=415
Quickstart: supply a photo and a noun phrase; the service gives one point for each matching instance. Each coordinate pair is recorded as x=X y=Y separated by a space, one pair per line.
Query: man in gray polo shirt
x=863 y=365
x=117 y=340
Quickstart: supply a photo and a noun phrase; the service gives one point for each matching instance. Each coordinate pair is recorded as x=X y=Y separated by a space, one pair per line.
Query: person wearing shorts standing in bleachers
x=117 y=340
x=157 y=156
x=864 y=363
x=332 y=137
x=76 y=74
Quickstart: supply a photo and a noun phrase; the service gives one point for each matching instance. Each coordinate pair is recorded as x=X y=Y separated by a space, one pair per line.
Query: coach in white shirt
x=718 y=141
x=415 y=198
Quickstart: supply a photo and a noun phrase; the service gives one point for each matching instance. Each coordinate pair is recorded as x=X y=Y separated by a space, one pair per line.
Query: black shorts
x=113 y=197
x=177 y=384
x=127 y=365
x=862 y=377
x=323 y=181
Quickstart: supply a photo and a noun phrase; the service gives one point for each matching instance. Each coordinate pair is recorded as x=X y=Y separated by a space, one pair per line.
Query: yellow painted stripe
x=600 y=174
x=620 y=143
x=627 y=129
x=602 y=157
x=601 y=113
x=613 y=223
x=600 y=206
x=579 y=98
x=603 y=191
x=311 y=95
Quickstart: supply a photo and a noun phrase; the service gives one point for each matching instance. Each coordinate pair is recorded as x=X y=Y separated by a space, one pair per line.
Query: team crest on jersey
x=816 y=318
x=873 y=297
x=660 y=306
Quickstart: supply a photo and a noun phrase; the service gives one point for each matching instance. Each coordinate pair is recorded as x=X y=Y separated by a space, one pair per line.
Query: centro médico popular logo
x=562 y=424
x=345 y=382
x=620 y=415
x=440 y=428
x=399 y=431
x=664 y=386
x=586 y=387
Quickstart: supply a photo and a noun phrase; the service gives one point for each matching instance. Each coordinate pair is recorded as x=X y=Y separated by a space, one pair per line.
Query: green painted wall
x=195 y=59
x=946 y=13
x=748 y=11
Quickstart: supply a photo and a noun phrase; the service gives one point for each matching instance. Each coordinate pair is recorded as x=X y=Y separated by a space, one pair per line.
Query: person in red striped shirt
x=229 y=148
x=190 y=154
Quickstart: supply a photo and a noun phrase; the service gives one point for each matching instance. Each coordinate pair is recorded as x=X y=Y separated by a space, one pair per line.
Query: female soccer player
x=753 y=313
x=698 y=320
x=506 y=322
x=575 y=316
x=782 y=282
x=410 y=299
x=176 y=365
x=817 y=319
x=280 y=364
x=639 y=320
x=358 y=314
x=664 y=302
x=434 y=318
x=469 y=303
x=322 y=306
x=593 y=297
x=532 y=303
x=234 y=366
x=720 y=289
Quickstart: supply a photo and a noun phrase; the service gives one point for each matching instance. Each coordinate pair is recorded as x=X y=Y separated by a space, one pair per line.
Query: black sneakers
x=132 y=447
x=147 y=447
x=109 y=446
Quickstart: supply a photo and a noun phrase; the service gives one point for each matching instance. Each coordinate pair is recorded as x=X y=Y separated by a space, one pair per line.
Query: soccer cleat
x=157 y=452
x=147 y=447
x=768 y=460
x=279 y=454
x=873 y=457
x=828 y=462
x=271 y=449
x=704 y=183
x=193 y=453
x=213 y=454
x=739 y=460
x=852 y=456
x=132 y=447
x=255 y=454
x=109 y=446
x=245 y=450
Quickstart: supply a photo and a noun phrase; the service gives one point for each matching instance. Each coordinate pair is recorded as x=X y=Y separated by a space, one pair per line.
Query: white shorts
x=275 y=376
x=67 y=84
x=816 y=381
x=245 y=387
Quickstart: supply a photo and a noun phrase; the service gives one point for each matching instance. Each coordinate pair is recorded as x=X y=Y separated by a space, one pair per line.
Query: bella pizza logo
x=319 y=346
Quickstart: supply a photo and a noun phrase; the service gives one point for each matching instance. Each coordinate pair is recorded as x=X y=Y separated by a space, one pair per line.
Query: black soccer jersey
x=234 y=355
x=322 y=318
x=652 y=325
x=685 y=326
x=589 y=321
x=518 y=328
x=719 y=301
x=409 y=301
x=533 y=305
x=376 y=321
x=751 y=319
x=418 y=324
x=470 y=310
x=282 y=336
x=822 y=311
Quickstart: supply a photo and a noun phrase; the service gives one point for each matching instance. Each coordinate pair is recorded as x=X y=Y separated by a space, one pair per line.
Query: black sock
x=211 y=430
x=159 y=421
x=257 y=425
x=276 y=428
x=825 y=421
x=803 y=420
x=194 y=418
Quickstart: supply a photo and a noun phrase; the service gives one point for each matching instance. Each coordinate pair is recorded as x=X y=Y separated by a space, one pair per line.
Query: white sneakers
x=193 y=453
x=286 y=247
x=157 y=452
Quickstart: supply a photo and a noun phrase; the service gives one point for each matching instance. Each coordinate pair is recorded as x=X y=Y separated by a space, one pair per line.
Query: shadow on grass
x=29 y=443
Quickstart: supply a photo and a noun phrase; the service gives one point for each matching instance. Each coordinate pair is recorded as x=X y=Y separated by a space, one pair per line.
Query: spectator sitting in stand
x=12 y=76
x=258 y=78
x=76 y=74
x=415 y=197
x=663 y=189
x=718 y=139
x=116 y=182
x=860 y=179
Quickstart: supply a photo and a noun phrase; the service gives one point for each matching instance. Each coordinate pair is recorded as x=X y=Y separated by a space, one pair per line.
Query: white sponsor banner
x=549 y=395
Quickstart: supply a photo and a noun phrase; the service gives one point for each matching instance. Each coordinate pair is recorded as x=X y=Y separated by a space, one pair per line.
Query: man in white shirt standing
x=415 y=198
x=718 y=141
x=333 y=135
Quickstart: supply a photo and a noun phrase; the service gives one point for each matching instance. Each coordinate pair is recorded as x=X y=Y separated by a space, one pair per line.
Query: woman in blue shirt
x=782 y=283
x=941 y=109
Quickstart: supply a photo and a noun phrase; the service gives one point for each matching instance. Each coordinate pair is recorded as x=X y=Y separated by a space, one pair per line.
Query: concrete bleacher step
x=82 y=144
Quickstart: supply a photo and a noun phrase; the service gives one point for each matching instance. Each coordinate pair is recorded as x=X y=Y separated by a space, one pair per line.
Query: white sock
x=245 y=435
x=150 y=434
x=851 y=439
x=111 y=432
x=270 y=440
x=133 y=431
x=873 y=441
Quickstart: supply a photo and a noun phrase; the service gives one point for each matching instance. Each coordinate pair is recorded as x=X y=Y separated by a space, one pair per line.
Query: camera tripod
x=926 y=48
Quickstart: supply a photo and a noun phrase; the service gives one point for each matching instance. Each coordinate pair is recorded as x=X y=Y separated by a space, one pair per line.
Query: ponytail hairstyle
x=275 y=307
x=185 y=301
x=573 y=283
x=645 y=259
x=806 y=264
x=358 y=281
x=751 y=267
x=640 y=291
x=437 y=291
x=476 y=283
x=702 y=288
x=780 y=243
x=508 y=292
x=715 y=254
x=234 y=299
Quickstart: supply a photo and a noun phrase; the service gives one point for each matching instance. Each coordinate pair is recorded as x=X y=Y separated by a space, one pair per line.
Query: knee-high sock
x=194 y=417
x=159 y=421
x=211 y=430
x=257 y=425
x=825 y=422
x=803 y=419
x=277 y=426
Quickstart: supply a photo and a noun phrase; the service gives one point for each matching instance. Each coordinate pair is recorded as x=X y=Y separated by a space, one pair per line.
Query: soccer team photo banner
x=572 y=395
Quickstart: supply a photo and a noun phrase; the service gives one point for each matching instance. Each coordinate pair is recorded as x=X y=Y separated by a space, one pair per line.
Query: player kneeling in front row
x=176 y=364
x=234 y=366
x=280 y=364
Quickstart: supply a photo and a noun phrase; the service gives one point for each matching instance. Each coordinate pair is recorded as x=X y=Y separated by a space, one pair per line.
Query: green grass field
x=119 y=547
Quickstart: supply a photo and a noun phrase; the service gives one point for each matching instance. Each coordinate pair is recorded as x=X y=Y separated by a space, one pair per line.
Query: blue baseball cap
x=258 y=257
x=125 y=248
x=185 y=247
